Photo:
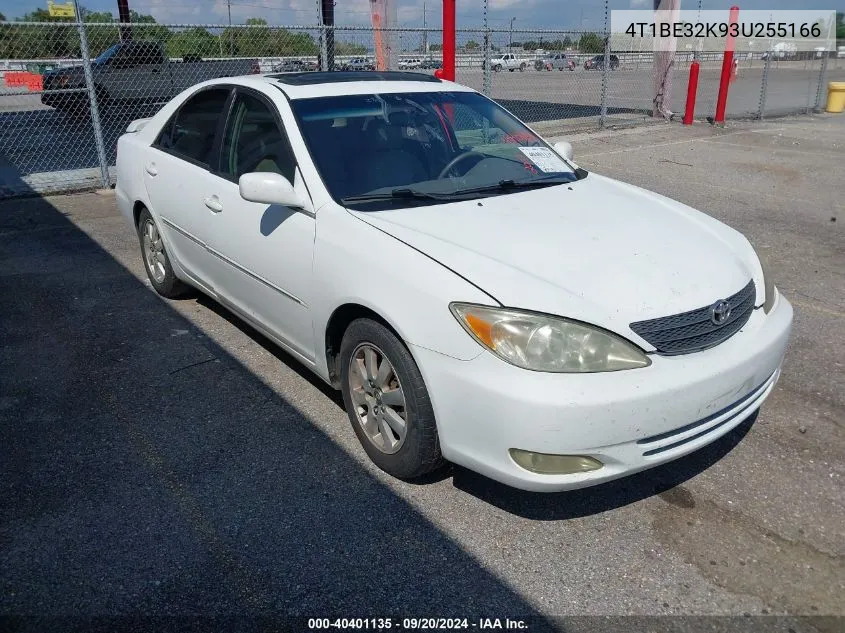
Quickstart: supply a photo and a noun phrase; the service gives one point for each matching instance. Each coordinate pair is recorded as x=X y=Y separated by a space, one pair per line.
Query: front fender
x=357 y=263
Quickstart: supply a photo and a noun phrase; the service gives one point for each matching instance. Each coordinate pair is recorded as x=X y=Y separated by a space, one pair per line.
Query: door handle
x=214 y=204
x=150 y=168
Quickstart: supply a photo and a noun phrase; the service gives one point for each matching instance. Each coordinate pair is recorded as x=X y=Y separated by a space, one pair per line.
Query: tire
x=164 y=280
x=415 y=454
x=497 y=68
x=522 y=67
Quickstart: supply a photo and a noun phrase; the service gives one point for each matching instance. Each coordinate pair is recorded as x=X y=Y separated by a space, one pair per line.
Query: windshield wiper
x=509 y=184
x=397 y=194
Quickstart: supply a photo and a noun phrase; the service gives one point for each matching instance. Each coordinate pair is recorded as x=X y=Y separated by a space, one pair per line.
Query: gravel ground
x=160 y=459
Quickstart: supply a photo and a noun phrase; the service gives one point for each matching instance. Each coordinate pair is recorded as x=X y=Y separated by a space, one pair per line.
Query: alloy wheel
x=378 y=398
x=154 y=251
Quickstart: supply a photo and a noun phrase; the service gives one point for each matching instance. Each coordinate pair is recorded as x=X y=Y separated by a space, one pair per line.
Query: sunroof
x=311 y=78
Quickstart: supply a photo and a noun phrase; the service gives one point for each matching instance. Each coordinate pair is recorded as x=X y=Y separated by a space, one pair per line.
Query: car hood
x=597 y=250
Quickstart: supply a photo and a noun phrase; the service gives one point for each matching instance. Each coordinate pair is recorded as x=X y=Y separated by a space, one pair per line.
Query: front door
x=264 y=252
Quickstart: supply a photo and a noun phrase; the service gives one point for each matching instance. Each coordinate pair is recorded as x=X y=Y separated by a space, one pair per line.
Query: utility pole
x=124 y=17
x=510 y=46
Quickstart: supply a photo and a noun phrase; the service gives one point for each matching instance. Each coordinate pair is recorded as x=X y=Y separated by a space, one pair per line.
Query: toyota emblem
x=719 y=312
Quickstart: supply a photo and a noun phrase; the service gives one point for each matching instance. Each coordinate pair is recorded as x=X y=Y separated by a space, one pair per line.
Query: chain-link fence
x=68 y=90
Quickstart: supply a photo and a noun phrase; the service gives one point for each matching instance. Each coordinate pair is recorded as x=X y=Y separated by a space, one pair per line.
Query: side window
x=254 y=142
x=190 y=132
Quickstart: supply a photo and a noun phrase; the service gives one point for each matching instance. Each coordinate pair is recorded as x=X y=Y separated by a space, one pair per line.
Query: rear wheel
x=497 y=68
x=156 y=260
x=387 y=401
x=522 y=67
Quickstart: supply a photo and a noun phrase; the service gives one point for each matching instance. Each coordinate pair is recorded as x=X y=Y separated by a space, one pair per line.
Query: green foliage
x=840 y=25
x=193 y=41
x=591 y=43
x=58 y=37
x=349 y=48
x=264 y=41
x=471 y=45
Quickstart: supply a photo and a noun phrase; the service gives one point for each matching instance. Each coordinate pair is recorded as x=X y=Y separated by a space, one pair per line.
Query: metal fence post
x=487 y=82
x=604 y=79
x=822 y=76
x=764 y=86
x=92 y=98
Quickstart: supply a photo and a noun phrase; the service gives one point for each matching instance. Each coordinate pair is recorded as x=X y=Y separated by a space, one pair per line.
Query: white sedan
x=476 y=296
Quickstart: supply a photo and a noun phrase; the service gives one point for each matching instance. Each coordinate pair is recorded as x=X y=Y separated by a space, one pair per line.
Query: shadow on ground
x=533 y=111
x=145 y=472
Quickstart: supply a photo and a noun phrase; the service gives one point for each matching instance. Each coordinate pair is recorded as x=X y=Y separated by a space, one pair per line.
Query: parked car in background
x=358 y=63
x=597 y=63
x=556 y=61
x=474 y=295
x=431 y=64
x=135 y=71
x=295 y=66
x=508 y=61
x=410 y=63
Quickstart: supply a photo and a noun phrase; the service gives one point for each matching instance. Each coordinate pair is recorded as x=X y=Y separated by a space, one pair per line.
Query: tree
x=2 y=18
x=471 y=45
x=840 y=25
x=349 y=48
x=591 y=43
x=193 y=41
x=260 y=40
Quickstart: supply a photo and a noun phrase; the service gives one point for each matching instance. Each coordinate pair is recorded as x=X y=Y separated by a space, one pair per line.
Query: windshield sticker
x=545 y=159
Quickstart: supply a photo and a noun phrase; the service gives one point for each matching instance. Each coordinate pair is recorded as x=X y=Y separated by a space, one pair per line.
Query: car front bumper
x=629 y=420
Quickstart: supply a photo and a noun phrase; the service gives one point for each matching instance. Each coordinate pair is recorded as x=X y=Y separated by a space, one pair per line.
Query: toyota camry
x=477 y=297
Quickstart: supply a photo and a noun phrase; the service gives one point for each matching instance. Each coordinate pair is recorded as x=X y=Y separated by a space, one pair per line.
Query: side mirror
x=269 y=188
x=564 y=148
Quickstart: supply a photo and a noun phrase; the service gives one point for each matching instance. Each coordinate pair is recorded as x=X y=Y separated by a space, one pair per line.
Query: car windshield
x=394 y=150
x=107 y=54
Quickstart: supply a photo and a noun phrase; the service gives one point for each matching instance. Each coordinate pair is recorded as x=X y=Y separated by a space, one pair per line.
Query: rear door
x=264 y=253
x=178 y=178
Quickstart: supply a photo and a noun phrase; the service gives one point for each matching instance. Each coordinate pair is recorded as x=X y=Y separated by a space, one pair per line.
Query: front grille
x=694 y=331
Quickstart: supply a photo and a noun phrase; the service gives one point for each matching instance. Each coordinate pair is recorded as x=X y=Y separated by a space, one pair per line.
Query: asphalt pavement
x=161 y=463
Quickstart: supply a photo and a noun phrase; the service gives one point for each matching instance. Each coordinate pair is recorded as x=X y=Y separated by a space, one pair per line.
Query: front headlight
x=768 y=281
x=546 y=343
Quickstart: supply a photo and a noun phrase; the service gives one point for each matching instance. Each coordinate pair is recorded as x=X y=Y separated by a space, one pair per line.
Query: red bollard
x=727 y=69
x=692 y=88
x=449 y=40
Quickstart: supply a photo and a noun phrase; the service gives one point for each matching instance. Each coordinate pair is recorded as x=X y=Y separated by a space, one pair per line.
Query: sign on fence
x=61 y=10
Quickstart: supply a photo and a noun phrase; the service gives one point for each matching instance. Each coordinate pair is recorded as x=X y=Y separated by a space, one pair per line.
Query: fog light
x=554 y=464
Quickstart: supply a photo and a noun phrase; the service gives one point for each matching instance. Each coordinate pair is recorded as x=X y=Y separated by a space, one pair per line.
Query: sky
x=548 y=14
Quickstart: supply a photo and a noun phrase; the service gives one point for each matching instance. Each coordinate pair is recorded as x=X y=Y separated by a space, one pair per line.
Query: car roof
x=306 y=85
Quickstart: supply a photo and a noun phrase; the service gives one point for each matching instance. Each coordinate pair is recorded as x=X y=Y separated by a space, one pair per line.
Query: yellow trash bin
x=835 y=96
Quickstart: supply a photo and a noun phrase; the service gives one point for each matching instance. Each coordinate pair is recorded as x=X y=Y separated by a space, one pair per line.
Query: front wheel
x=497 y=68
x=522 y=68
x=387 y=401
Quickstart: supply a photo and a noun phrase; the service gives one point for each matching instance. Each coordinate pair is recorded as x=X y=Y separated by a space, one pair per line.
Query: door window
x=254 y=142
x=190 y=132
